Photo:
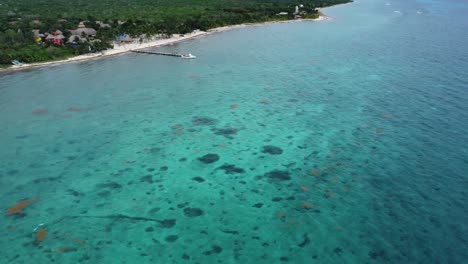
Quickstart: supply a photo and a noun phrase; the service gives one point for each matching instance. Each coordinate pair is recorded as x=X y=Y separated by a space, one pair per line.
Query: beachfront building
x=55 y=38
x=82 y=30
x=76 y=39
x=298 y=13
x=36 y=33
x=37 y=36
x=123 y=38
x=88 y=32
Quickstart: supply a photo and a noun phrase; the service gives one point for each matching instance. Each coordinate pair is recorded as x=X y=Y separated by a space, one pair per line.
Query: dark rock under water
x=209 y=158
x=231 y=169
x=278 y=175
x=272 y=150
x=193 y=212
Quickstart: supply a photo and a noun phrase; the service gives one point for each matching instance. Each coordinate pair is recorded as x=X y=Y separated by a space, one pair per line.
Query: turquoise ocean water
x=342 y=141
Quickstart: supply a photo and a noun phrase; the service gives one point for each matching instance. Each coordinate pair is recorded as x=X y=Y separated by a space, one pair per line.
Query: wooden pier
x=158 y=53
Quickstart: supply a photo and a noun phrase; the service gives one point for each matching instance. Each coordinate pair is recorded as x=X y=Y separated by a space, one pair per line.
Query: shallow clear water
x=339 y=142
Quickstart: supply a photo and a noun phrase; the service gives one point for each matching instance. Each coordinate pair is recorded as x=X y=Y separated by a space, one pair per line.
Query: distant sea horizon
x=340 y=141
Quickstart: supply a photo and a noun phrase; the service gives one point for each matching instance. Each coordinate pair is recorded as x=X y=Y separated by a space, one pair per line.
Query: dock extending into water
x=158 y=53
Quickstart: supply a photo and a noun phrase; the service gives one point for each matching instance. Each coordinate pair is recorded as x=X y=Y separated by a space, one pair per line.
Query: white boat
x=188 y=56
x=16 y=63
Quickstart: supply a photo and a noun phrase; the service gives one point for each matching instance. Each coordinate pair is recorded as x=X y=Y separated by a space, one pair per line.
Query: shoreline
x=151 y=43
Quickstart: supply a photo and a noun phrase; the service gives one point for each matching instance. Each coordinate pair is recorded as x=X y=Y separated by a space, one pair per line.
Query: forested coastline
x=43 y=30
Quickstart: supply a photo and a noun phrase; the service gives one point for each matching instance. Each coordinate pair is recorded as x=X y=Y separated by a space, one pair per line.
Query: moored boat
x=188 y=56
x=16 y=63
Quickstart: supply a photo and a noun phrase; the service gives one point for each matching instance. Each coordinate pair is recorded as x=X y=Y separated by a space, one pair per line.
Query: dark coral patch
x=182 y=205
x=171 y=238
x=338 y=251
x=104 y=194
x=278 y=175
x=203 y=121
x=226 y=132
x=167 y=223
x=147 y=178
x=110 y=185
x=217 y=249
x=231 y=169
x=152 y=150
x=193 y=212
x=198 y=179
x=272 y=150
x=305 y=241
x=375 y=254
x=209 y=158
x=12 y=172
x=232 y=232
x=214 y=250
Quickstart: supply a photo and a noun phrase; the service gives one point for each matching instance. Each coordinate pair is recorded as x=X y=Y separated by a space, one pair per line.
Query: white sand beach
x=149 y=43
